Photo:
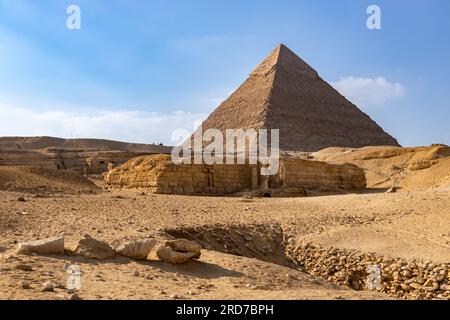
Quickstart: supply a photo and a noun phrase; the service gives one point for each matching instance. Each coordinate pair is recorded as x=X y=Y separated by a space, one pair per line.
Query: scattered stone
x=48 y=287
x=138 y=249
x=53 y=245
x=94 y=249
x=73 y=296
x=59 y=286
x=135 y=273
x=183 y=245
x=24 y=284
x=167 y=254
x=349 y=267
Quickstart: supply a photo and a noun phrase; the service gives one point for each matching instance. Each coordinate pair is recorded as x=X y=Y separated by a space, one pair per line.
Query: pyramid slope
x=285 y=93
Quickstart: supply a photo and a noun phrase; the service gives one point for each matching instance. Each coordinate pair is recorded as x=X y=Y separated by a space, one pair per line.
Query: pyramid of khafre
x=285 y=93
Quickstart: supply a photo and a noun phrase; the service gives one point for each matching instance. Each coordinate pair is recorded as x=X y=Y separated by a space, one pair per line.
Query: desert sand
x=244 y=241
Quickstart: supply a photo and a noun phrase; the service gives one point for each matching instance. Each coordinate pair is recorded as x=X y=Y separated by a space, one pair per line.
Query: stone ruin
x=158 y=174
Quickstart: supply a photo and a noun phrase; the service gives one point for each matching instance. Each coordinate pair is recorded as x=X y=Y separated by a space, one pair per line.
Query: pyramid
x=285 y=93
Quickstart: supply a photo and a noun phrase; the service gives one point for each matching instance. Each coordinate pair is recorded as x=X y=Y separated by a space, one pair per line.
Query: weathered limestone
x=179 y=251
x=159 y=175
x=94 y=249
x=167 y=254
x=53 y=245
x=135 y=249
x=318 y=175
x=183 y=245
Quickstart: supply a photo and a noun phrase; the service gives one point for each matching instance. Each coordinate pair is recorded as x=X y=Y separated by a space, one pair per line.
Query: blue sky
x=138 y=70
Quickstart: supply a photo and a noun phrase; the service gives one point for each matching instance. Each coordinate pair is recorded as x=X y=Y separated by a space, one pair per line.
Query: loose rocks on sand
x=53 y=245
x=135 y=249
x=179 y=251
x=94 y=249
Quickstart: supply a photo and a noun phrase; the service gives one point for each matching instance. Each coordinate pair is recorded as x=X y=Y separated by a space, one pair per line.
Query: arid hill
x=35 y=180
x=406 y=168
x=38 y=143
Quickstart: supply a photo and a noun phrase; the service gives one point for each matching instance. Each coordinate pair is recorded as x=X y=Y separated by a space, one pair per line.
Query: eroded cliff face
x=85 y=162
x=159 y=175
x=86 y=156
x=405 y=168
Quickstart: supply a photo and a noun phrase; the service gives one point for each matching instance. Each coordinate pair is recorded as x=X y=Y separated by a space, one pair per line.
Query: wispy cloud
x=368 y=92
x=125 y=125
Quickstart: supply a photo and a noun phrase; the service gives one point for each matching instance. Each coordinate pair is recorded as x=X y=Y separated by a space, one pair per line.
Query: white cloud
x=124 y=125
x=368 y=92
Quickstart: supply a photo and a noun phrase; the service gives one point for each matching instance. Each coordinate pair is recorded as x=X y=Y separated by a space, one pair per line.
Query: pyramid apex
x=281 y=57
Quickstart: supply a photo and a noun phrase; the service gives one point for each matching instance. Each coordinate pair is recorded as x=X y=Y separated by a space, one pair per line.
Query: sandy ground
x=408 y=224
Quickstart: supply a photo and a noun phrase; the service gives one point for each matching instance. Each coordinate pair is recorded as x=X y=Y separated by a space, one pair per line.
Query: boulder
x=135 y=249
x=169 y=255
x=53 y=245
x=94 y=249
x=183 y=245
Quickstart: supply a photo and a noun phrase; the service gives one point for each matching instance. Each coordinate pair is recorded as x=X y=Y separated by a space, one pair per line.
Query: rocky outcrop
x=405 y=168
x=86 y=156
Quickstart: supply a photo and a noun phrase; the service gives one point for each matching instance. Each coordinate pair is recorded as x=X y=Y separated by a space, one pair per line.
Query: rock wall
x=319 y=175
x=397 y=277
x=25 y=158
x=159 y=175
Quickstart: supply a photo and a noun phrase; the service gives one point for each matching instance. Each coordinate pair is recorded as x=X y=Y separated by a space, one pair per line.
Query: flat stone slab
x=53 y=245
x=91 y=248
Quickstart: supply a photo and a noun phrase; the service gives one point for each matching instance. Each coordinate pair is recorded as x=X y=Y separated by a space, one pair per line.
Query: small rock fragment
x=135 y=273
x=24 y=284
x=48 y=287
x=73 y=296
x=183 y=245
x=167 y=254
